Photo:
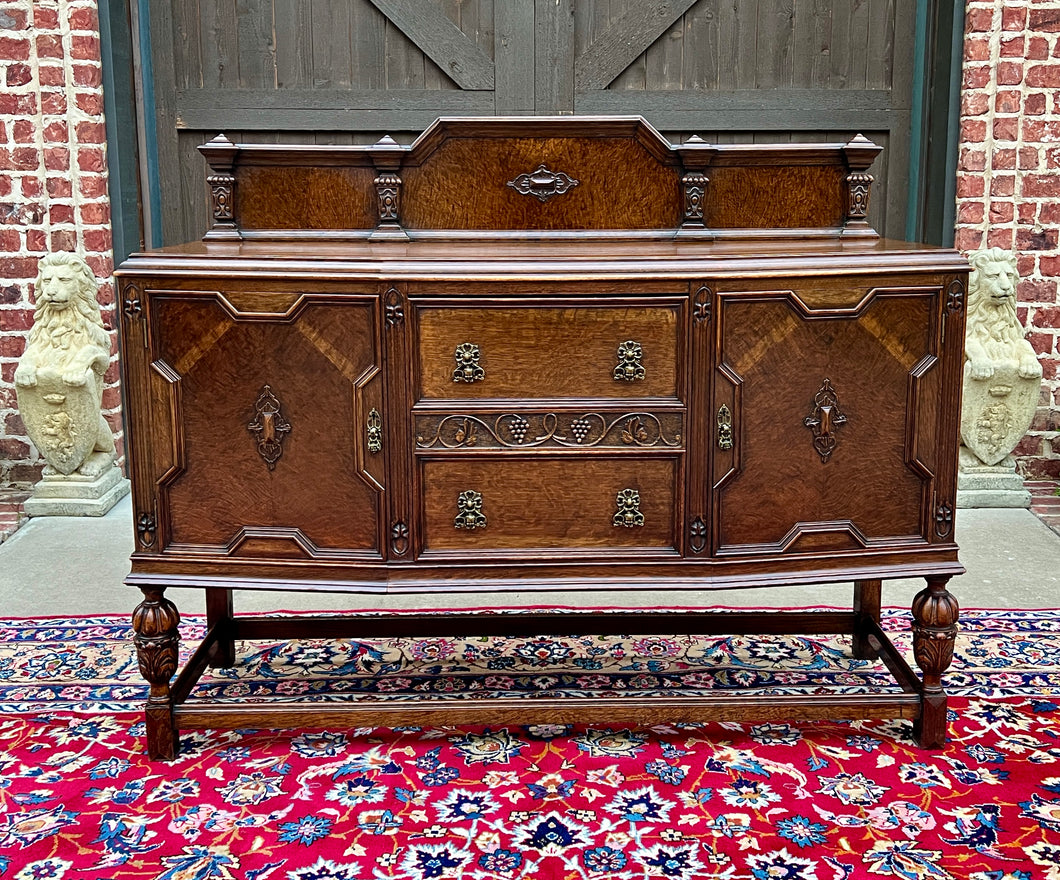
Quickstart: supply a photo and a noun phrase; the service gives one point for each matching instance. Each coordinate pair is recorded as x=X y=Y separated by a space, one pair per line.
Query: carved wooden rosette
x=221 y=154
x=935 y=614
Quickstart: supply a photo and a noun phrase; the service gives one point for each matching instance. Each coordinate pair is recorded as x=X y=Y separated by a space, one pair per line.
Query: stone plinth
x=982 y=485
x=77 y=495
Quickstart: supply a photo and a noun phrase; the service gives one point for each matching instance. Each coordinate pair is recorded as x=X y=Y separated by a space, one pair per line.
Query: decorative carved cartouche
x=1002 y=376
x=59 y=379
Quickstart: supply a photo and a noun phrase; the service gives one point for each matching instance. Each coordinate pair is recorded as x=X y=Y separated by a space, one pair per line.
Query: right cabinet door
x=825 y=418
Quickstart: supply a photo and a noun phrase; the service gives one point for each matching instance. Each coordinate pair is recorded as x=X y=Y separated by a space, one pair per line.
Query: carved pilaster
x=935 y=614
x=387 y=155
x=157 y=642
x=221 y=155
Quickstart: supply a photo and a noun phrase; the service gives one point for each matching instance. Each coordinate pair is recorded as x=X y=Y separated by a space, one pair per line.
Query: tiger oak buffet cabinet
x=542 y=354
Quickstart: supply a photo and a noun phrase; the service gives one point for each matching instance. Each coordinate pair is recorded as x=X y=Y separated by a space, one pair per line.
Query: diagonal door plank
x=624 y=42
x=441 y=40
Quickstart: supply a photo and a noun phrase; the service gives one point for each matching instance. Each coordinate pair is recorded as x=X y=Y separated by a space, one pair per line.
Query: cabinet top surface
x=616 y=258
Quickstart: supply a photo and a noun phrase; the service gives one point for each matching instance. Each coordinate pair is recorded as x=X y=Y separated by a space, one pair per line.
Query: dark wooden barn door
x=349 y=71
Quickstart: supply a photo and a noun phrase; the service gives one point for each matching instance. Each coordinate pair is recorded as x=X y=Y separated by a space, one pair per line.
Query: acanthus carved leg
x=866 y=608
x=157 y=641
x=935 y=613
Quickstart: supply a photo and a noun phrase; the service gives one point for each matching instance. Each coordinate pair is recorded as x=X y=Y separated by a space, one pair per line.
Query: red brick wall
x=53 y=185
x=1008 y=184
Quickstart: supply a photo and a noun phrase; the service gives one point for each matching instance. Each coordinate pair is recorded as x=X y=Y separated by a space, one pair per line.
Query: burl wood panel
x=312 y=365
x=792 y=197
x=464 y=185
x=295 y=197
x=528 y=352
x=780 y=361
x=549 y=504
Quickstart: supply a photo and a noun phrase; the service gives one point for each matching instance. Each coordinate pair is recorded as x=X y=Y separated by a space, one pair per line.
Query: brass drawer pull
x=629 y=368
x=724 y=428
x=469 y=511
x=374 y=430
x=468 y=369
x=628 y=513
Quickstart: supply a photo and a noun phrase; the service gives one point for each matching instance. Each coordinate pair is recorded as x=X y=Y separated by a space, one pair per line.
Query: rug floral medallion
x=776 y=801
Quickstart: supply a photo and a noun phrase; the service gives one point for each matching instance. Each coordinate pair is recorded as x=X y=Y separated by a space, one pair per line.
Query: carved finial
x=695 y=139
x=387 y=141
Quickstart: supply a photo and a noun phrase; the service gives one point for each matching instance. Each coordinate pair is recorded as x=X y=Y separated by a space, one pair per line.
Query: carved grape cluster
x=518 y=427
x=580 y=429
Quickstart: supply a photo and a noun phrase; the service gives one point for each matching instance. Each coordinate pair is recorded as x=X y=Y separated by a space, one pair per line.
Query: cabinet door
x=825 y=416
x=271 y=404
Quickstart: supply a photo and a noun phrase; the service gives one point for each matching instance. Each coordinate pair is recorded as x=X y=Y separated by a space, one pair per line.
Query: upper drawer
x=518 y=352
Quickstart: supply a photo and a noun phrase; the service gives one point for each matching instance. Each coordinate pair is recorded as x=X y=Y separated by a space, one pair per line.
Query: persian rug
x=79 y=799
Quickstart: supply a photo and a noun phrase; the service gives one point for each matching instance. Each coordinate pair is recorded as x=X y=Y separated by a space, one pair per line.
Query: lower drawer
x=537 y=503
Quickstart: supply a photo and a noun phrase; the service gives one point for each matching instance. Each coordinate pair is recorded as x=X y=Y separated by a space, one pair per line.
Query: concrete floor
x=70 y=566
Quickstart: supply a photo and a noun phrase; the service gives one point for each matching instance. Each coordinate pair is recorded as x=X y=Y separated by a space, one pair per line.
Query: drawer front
x=524 y=352
x=549 y=504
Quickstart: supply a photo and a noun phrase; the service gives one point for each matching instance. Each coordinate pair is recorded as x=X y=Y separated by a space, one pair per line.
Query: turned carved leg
x=866 y=607
x=157 y=641
x=219 y=614
x=935 y=613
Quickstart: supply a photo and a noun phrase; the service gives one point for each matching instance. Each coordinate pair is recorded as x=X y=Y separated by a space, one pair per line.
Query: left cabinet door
x=257 y=422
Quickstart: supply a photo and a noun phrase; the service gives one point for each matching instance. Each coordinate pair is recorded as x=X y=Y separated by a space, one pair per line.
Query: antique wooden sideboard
x=542 y=354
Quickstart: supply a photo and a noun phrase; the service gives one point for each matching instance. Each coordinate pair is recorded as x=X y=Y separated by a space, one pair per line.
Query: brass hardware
x=629 y=368
x=543 y=184
x=469 y=511
x=724 y=428
x=375 y=431
x=825 y=420
x=468 y=368
x=628 y=513
x=269 y=426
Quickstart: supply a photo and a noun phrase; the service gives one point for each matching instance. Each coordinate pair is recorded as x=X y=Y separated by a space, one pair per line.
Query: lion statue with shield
x=59 y=378
x=1002 y=374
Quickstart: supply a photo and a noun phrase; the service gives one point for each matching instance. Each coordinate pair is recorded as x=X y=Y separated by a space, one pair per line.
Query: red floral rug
x=78 y=799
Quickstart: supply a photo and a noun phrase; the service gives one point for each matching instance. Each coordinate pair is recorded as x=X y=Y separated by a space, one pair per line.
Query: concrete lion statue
x=1002 y=375
x=994 y=336
x=59 y=379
